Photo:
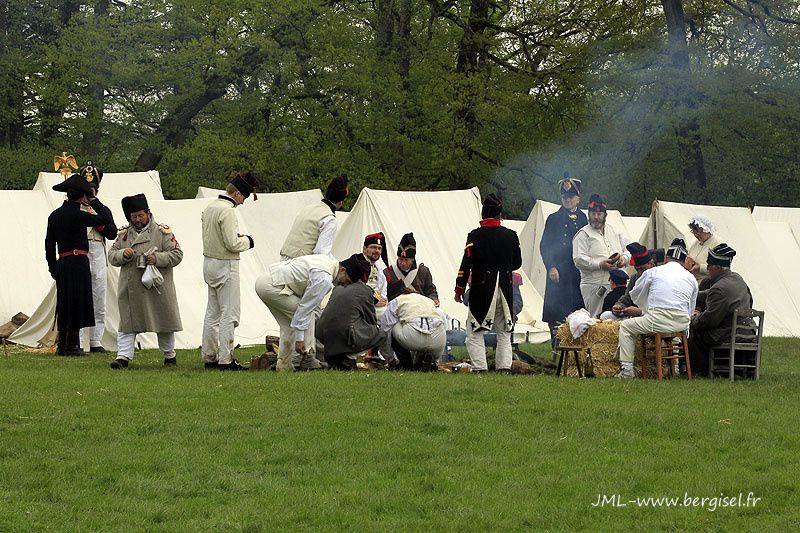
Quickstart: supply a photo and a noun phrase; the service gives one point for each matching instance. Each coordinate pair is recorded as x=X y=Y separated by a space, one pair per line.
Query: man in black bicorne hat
x=562 y=293
x=491 y=254
x=67 y=249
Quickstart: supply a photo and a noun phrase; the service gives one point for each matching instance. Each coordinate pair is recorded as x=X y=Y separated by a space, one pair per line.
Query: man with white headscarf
x=703 y=230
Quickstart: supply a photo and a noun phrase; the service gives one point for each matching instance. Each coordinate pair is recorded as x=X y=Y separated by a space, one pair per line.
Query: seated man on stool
x=642 y=259
x=727 y=292
x=668 y=293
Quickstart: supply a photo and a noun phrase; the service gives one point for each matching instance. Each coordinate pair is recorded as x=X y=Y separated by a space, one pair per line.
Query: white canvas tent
x=114 y=185
x=23 y=215
x=440 y=222
x=636 y=227
x=772 y=291
x=788 y=215
x=184 y=217
x=516 y=225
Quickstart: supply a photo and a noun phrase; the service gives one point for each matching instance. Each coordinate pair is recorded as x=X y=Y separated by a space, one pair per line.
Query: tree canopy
x=681 y=100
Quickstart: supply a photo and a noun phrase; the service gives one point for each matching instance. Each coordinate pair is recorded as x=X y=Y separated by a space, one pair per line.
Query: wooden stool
x=563 y=358
x=665 y=344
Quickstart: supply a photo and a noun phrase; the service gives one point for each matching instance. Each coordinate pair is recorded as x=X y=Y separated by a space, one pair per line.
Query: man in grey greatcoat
x=145 y=242
x=711 y=323
x=348 y=325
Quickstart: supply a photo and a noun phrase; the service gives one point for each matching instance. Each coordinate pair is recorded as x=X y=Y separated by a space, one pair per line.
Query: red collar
x=490 y=222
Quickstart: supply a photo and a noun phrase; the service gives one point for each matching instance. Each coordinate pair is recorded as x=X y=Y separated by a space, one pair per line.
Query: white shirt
x=590 y=247
x=669 y=286
x=320 y=283
x=327 y=233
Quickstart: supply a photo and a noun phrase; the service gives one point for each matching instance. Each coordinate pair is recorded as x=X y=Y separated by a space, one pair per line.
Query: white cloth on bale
x=579 y=321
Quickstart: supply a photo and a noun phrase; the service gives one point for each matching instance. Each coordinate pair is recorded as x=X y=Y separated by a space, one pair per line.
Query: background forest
x=684 y=100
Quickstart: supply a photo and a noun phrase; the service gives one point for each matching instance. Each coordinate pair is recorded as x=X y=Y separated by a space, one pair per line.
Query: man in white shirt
x=597 y=248
x=314 y=227
x=293 y=291
x=668 y=293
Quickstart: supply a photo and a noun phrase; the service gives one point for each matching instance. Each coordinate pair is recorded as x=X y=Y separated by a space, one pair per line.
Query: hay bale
x=603 y=338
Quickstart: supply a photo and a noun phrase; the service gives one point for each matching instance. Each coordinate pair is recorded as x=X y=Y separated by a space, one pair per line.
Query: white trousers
x=222 y=310
x=283 y=306
x=592 y=301
x=476 y=348
x=654 y=321
x=418 y=339
x=97 y=265
x=126 y=341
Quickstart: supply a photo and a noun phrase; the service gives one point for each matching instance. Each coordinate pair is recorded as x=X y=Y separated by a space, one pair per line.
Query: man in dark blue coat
x=491 y=255
x=562 y=294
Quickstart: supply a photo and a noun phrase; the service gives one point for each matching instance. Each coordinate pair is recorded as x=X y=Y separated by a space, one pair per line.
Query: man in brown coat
x=409 y=272
x=145 y=242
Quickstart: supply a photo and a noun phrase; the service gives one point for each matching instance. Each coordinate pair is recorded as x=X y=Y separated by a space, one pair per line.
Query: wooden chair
x=563 y=358
x=747 y=328
x=665 y=348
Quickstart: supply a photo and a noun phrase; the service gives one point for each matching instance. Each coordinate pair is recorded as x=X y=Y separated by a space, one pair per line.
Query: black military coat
x=66 y=233
x=564 y=297
x=492 y=253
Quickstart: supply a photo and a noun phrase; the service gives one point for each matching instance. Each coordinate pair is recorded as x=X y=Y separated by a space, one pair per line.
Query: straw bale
x=602 y=338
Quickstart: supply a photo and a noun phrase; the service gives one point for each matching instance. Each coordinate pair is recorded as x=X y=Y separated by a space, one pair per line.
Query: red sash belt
x=73 y=252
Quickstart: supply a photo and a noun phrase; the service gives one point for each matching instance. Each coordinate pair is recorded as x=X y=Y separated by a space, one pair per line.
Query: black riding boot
x=73 y=339
x=61 y=343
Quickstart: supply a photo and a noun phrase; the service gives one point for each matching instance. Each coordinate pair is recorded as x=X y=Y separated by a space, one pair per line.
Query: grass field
x=83 y=447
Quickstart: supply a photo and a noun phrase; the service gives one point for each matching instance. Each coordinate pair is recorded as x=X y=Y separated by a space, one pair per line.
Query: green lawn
x=83 y=447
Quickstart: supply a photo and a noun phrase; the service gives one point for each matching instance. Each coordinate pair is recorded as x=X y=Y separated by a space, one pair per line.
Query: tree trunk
x=92 y=135
x=51 y=110
x=173 y=130
x=470 y=60
x=688 y=133
x=12 y=119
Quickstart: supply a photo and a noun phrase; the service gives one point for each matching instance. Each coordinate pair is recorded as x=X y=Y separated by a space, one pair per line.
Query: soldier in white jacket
x=221 y=246
x=293 y=291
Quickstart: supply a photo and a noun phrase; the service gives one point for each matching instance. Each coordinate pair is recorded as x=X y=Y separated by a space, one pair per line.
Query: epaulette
x=166 y=230
x=122 y=230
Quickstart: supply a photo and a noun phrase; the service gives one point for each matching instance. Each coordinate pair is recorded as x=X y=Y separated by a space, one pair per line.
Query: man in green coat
x=145 y=243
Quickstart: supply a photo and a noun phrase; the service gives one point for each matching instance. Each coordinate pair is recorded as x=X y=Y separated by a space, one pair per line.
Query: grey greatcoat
x=142 y=309
x=348 y=324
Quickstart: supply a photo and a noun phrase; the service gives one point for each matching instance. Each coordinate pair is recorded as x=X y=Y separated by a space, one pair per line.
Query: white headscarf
x=703 y=222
